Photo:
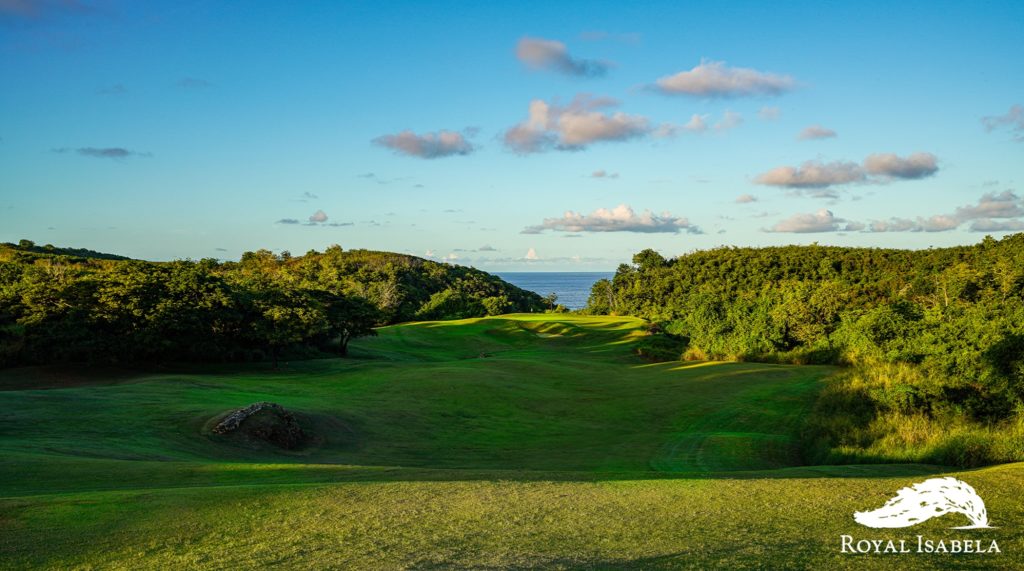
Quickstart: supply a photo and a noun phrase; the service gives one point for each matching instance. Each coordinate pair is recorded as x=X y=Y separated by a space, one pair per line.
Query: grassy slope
x=515 y=441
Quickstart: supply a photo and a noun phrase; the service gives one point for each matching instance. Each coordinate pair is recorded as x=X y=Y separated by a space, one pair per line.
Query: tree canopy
x=62 y=304
x=935 y=333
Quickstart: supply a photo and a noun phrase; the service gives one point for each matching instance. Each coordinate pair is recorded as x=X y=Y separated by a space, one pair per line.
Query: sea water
x=572 y=288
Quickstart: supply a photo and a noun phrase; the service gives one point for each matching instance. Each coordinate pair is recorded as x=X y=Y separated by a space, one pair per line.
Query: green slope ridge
x=513 y=441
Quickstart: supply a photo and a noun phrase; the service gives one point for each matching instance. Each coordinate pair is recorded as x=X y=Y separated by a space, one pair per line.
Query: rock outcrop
x=264 y=421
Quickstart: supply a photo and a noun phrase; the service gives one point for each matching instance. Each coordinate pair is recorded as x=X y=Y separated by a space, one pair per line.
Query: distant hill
x=30 y=246
x=67 y=304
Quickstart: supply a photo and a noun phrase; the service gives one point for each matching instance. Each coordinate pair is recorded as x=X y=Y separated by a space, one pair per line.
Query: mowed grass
x=513 y=442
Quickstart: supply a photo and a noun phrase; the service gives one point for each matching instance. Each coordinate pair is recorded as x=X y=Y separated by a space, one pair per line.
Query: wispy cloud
x=730 y=120
x=573 y=126
x=552 y=55
x=745 y=199
x=287 y=221
x=601 y=173
x=1012 y=120
x=769 y=113
x=428 y=145
x=699 y=124
x=622 y=218
x=816 y=132
x=103 y=152
x=716 y=79
x=876 y=169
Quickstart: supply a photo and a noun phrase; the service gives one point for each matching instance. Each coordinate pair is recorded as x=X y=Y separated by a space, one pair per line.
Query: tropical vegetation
x=933 y=339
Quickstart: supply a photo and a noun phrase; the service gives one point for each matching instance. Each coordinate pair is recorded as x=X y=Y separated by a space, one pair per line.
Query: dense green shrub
x=936 y=336
x=59 y=304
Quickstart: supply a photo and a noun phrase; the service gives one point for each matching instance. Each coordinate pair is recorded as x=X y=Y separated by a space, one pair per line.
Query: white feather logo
x=931 y=498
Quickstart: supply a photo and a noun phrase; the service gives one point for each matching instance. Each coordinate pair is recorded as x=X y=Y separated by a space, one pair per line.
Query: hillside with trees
x=934 y=339
x=71 y=305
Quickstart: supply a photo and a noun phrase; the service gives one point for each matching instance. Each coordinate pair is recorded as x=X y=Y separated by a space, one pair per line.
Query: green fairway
x=514 y=441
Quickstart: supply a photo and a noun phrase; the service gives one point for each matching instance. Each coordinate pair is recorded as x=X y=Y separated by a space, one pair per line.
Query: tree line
x=934 y=338
x=73 y=305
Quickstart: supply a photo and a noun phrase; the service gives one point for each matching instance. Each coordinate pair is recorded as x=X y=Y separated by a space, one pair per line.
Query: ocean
x=572 y=288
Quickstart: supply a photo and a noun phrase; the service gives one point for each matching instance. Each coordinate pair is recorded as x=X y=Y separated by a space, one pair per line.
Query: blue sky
x=473 y=131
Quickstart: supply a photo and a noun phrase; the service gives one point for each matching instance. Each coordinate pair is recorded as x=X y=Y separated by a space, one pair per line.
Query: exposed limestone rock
x=264 y=421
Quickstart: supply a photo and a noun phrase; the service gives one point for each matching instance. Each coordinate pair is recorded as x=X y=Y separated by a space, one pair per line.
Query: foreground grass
x=766 y=520
x=510 y=442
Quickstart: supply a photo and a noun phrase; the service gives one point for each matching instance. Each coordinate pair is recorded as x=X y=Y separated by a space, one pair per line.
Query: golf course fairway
x=520 y=441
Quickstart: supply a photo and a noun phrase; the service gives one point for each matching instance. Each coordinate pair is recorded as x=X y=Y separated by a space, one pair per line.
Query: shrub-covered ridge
x=936 y=337
x=76 y=305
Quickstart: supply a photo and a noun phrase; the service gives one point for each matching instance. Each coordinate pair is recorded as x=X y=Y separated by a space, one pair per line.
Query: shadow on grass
x=30 y=475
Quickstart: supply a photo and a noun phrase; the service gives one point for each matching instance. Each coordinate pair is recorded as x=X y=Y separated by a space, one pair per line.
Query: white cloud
x=1013 y=120
x=769 y=113
x=573 y=126
x=601 y=173
x=820 y=221
x=715 y=79
x=622 y=218
x=697 y=123
x=989 y=225
x=937 y=223
x=876 y=169
x=745 y=199
x=318 y=217
x=816 y=132
x=992 y=213
x=531 y=254
x=915 y=166
x=812 y=174
x=427 y=145
x=551 y=55
x=1006 y=204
